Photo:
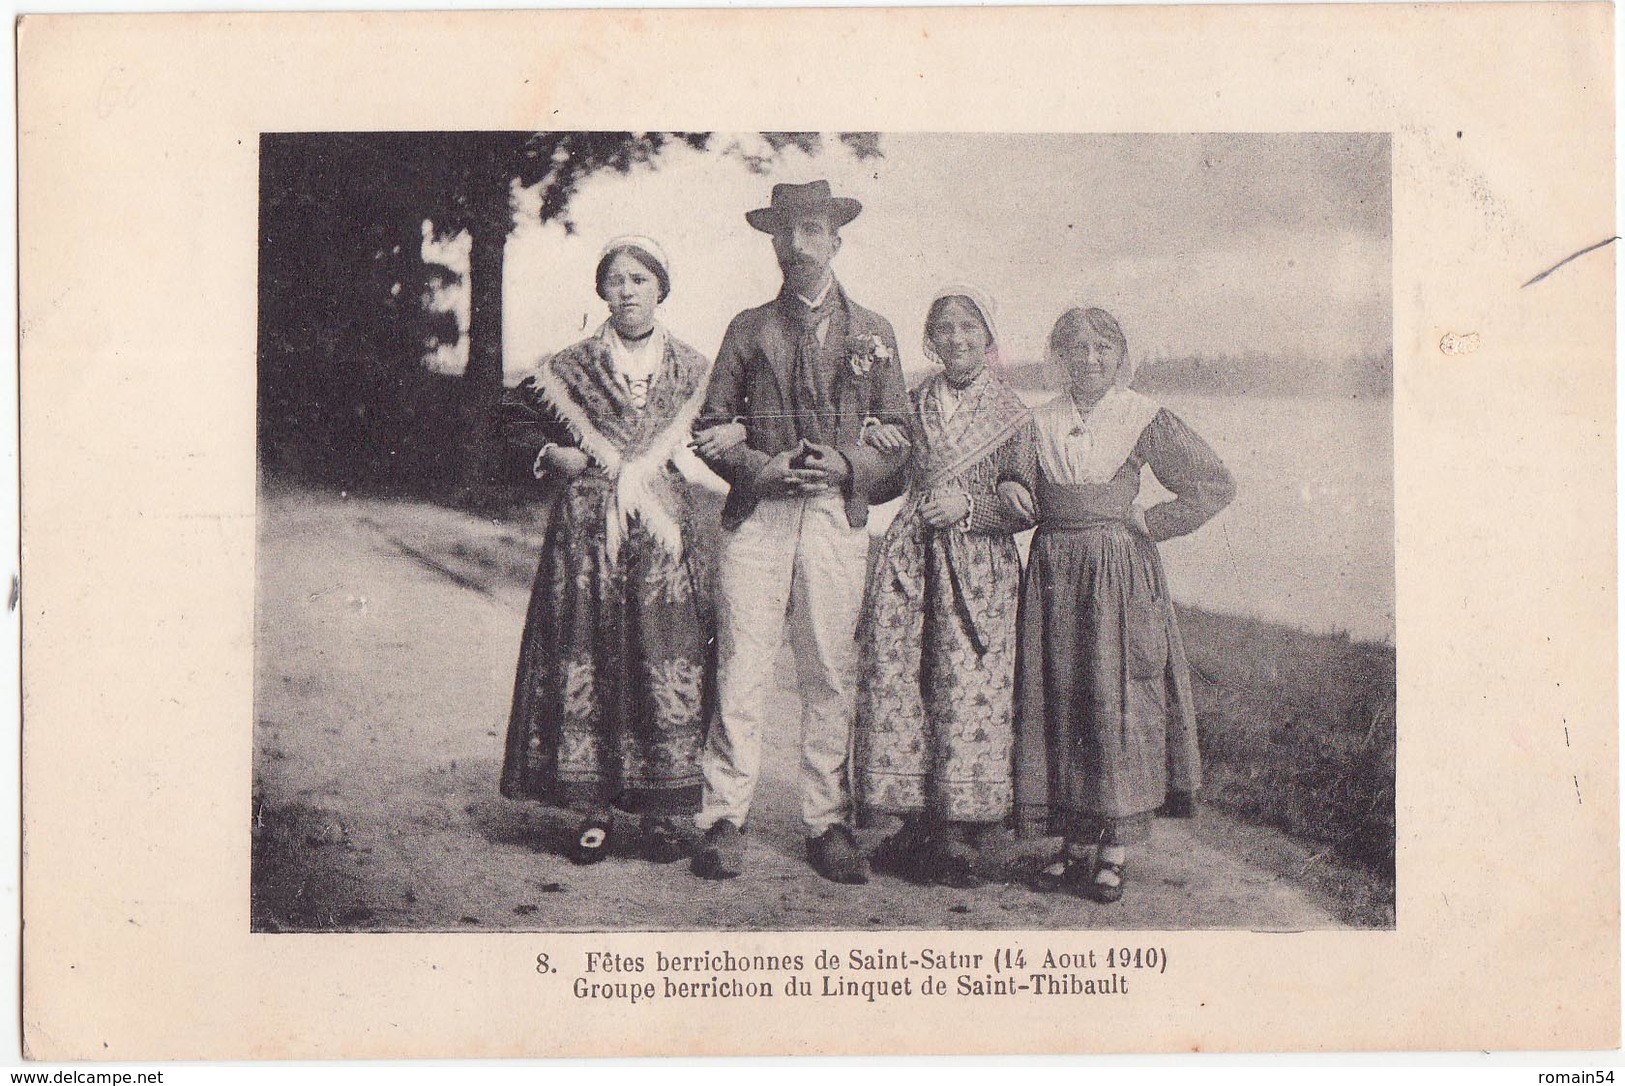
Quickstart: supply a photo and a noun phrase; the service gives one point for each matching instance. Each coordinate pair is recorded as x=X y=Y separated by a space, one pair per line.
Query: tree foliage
x=343 y=394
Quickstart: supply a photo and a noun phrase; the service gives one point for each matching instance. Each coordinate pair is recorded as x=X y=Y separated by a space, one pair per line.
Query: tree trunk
x=492 y=221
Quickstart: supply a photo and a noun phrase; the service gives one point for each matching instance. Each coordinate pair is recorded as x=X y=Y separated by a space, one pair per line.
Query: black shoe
x=906 y=855
x=1067 y=871
x=955 y=868
x=720 y=853
x=1107 y=885
x=663 y=840
x=592 y=841
x=834 y=854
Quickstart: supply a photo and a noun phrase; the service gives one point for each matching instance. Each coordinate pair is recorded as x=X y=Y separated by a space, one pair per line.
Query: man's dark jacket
x=754 y=381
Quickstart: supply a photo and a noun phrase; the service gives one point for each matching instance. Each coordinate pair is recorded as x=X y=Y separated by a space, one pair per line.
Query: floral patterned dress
x=938 y=636
x=613 y=690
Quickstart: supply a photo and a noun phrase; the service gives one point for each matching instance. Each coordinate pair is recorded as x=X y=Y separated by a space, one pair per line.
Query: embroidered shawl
x=583 y=387
x=988 y=413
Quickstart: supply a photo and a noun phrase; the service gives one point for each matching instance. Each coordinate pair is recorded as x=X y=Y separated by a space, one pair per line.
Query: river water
x=1309 y=540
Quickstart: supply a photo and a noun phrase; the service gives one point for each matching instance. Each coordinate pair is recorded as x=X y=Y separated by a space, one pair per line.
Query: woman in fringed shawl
x=934 y=721
x=1106 y=729
x=613 y=690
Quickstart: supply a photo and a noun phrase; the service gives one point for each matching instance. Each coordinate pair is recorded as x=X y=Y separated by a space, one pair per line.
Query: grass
x=297 y=872
x=1298 y=732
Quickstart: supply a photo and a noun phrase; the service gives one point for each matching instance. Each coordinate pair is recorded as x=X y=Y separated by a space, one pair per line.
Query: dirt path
x=387 y=634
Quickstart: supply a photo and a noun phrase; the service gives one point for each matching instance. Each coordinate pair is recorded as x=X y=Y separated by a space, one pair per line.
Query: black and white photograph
x=784 y=531
x=865 y=534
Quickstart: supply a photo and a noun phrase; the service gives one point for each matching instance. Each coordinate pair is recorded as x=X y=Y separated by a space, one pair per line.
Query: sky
x=1273 y=244
x=1200 y=244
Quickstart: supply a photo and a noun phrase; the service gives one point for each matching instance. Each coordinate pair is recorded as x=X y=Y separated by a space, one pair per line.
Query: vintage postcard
x=1060 y=530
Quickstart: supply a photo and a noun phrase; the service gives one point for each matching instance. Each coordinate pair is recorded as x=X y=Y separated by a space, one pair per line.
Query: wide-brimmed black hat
x=792 y=200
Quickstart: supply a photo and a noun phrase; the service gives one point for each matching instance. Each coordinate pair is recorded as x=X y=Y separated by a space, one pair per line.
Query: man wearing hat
x=805 y=373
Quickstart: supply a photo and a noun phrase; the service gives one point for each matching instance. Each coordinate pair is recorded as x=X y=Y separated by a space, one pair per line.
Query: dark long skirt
x=615 y=677
x=1106 y=725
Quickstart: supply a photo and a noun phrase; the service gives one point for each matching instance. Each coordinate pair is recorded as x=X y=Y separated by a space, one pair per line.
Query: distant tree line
x=1246 y=374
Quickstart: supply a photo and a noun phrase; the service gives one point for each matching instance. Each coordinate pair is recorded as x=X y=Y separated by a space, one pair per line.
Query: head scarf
x=984 y=308
x=645 y=250
x=1101 y=325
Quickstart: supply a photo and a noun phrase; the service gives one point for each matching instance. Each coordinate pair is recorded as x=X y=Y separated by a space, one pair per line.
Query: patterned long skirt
x=935 y=716
x=1106 y=724
x=615 y=677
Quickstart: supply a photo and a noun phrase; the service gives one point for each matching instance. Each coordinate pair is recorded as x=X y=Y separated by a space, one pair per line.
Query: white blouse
x=637 y=363
x=1079 y=450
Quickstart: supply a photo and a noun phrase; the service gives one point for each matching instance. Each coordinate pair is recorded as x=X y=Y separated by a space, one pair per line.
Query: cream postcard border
x=138 y=141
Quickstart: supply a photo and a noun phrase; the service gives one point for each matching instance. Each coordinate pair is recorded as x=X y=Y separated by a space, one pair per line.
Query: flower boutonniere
x=862 y=352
